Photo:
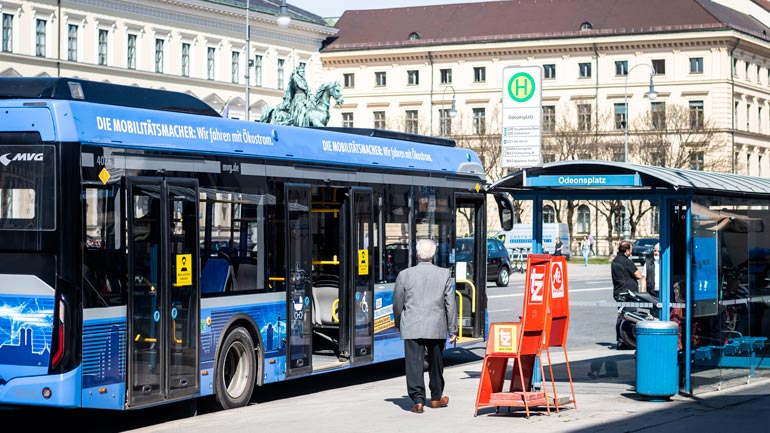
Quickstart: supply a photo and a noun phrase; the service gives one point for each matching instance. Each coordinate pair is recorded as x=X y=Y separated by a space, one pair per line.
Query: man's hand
x=452 y=338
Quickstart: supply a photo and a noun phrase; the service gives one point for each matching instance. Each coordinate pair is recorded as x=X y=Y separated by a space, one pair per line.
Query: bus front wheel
x=236 y=370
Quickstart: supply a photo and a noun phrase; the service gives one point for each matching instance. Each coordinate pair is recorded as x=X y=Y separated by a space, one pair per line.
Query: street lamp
x=452 y=110
x=651 y=95
x=248 y=61
x=283 y=19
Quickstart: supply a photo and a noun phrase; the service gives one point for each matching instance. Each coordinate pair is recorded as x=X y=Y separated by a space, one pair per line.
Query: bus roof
x=102 y=93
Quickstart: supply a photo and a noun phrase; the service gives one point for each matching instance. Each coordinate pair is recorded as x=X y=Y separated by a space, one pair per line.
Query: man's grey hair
x=426 y=249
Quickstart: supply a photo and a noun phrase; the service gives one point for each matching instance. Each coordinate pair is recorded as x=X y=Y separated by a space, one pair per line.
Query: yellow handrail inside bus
x=335 y=311
x=276 y=279
x=459 y=315
x=333 y=261
x=473 y=293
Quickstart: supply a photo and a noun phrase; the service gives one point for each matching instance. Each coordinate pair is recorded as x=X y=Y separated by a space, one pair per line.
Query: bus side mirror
x=505 y=210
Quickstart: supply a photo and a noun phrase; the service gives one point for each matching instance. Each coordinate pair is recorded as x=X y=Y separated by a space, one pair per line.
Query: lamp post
x=283 y=19
x=651 y=95
x=248 y=62
x=452 y=110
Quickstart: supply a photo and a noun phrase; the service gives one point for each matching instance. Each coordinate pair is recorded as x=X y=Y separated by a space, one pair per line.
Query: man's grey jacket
x=424 y=302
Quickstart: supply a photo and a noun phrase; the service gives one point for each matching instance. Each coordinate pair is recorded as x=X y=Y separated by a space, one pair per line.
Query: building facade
x=193 y=46
x=709 y=62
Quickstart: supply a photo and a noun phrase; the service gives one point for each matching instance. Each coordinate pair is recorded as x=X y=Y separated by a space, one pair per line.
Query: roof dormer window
x=586 y=26
x=414 y=36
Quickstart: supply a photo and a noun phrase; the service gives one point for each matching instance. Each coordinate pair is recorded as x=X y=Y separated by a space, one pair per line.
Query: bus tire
x=236 y=370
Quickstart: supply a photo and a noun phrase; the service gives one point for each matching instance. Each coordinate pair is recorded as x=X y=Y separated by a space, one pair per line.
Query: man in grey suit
x=425 y=313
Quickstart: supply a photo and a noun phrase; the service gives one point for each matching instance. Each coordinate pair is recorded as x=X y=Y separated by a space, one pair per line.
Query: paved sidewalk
x=604 y=404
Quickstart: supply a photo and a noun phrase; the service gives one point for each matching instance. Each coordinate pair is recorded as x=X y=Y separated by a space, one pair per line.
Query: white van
x=520 y=236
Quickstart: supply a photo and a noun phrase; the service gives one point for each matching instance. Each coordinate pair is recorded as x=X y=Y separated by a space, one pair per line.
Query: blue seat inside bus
x=214 y=275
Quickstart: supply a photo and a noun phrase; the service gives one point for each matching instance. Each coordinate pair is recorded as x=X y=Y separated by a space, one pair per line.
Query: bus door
x=361 y=271
x=470 y=254
x=298 y=263
x=163 y=304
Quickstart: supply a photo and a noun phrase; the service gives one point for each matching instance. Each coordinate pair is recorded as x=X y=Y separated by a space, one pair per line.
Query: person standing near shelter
x=591 y=243
x=557 y=248
x=425 y=313
x=651 y=273
x=585 y=248
x=625 y=277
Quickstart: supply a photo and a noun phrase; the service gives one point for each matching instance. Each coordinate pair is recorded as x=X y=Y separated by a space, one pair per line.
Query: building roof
x=272 y=7
x=694 y=181
x=513 y=20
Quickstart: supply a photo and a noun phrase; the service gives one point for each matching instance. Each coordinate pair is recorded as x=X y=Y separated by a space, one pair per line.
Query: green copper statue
x=299 y=107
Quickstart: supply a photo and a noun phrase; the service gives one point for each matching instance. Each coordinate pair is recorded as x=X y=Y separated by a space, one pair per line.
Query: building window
x=40 y=38
x=131 y=52
x=281 y=78
x=696 y=114
x=659 y=115
x=549 y=118
x=235 y=63
x=446 y=76
x=380 y=79
x=258 y=70
x=7 y=33
x=696 y=160
x=659 y=66
x=185 y=59
x=479 y=74
x=549 y=72
x=102 y=48
x=479 y=121
x=655 y=220
x=72 y=43
x=748 y=115
x=412 y=124
x=210 y=62
x=347 y=120
x=759 y=119
x=445 y=122
x=584 y=117
x=585 y=70
x=620 y=116
x=349 y=80
x=379 y=120
x=696 y=65
x=159 y=55
x=549 y=214
x=413 y=77
x=621 y=68
x=583 y=219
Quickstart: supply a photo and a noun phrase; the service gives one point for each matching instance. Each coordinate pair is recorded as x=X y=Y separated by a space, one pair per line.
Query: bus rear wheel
x=236 y=370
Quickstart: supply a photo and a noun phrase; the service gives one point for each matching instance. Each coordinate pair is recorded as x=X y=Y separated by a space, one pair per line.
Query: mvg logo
x=5 y=160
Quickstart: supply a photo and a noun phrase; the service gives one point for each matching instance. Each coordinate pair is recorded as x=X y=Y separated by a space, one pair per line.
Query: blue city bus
x=152 y=251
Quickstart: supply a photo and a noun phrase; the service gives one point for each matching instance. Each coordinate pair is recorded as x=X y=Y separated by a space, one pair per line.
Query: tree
x=676 y=136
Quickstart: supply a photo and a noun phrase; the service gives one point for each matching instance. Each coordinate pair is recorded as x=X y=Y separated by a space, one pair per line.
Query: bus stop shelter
x=714 y=231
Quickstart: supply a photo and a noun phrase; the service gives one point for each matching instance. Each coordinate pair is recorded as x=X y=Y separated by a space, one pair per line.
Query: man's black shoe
x=622 y=346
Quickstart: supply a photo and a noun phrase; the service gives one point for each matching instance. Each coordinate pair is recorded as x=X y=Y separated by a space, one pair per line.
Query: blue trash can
x=657 y=369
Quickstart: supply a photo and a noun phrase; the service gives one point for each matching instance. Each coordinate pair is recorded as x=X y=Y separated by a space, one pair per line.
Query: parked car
x=498 y=262
x=642 y=249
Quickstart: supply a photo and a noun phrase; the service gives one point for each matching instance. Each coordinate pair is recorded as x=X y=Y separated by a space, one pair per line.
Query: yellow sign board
x=363 y=262
x=184 y=269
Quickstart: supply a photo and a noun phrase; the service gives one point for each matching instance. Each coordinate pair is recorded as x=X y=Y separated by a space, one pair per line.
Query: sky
x=335 y=8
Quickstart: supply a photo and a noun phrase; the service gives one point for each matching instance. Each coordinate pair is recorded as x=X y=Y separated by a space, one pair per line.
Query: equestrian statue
x=299 y=107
